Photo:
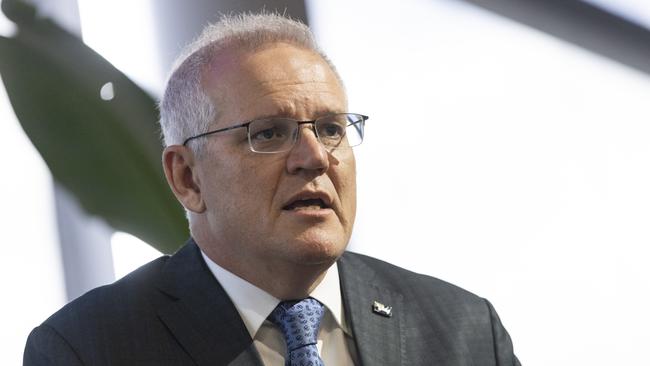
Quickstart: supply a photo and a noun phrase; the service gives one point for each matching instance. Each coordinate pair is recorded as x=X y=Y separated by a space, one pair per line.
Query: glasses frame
x=246 y=125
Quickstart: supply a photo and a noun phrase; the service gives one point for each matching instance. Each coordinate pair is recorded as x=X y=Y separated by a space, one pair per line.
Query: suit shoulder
x=433 y=312
x=408 y=281
x=134 y=291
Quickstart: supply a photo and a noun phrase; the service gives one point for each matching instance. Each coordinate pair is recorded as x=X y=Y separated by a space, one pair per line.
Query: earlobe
x=180 y=171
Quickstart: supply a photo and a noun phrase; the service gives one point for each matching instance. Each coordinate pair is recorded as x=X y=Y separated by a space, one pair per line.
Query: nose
x=308 y=154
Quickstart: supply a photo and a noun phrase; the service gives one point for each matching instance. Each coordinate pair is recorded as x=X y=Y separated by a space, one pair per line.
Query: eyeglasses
x=275 y=135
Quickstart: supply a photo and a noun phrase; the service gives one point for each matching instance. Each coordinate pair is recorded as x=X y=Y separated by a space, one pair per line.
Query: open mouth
x=306 y=204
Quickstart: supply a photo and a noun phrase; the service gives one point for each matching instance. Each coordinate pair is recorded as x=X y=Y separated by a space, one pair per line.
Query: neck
x=285 y=281
x=292 y=285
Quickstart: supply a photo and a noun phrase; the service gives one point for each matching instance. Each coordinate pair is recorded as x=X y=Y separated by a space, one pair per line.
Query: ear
x=180 y=171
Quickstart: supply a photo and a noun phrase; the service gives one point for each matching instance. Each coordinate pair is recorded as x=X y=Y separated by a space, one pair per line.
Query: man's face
x=290 y=208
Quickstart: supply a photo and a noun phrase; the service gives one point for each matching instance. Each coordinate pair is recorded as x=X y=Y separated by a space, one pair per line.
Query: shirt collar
x=254 y=304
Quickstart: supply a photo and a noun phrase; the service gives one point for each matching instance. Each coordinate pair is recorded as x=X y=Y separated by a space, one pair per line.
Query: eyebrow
x=281 y=114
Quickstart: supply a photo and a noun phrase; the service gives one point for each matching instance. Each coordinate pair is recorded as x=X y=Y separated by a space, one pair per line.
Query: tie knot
x=299 y=321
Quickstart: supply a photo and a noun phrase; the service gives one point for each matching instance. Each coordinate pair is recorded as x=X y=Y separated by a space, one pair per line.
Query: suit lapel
x=379 y=339
x=201 y=315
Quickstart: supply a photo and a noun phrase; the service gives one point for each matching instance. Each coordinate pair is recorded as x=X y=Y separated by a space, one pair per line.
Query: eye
x=266 y=135
x=331 y=130
x=270 y=131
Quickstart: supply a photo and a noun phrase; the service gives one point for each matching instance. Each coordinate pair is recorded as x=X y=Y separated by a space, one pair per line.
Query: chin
x=318 y=247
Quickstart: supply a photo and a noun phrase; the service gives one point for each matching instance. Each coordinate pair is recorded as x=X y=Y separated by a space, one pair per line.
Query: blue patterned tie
x=299 y=322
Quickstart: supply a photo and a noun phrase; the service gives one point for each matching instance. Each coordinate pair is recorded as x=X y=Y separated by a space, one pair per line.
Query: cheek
x=348 y=168
x=252 y=181
x=346 y=184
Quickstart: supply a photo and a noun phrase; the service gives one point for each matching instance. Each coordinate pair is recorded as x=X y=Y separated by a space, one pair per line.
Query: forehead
x=278 y=79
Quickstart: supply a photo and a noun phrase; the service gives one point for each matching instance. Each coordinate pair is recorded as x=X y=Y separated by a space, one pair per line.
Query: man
x=259 y=152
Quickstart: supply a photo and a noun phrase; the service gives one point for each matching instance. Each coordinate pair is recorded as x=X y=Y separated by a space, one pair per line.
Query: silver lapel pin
x=381 y=309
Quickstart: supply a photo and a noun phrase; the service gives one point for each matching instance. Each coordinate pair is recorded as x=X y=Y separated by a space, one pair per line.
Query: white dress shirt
x=335 y=343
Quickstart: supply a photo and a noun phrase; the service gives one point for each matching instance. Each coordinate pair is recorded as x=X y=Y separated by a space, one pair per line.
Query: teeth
x=308 y=204
x=307 y=208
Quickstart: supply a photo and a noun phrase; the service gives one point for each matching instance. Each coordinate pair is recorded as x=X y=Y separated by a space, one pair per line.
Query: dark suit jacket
x=172 y=311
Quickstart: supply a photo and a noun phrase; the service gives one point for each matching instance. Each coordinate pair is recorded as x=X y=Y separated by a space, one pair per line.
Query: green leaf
x=106 y=152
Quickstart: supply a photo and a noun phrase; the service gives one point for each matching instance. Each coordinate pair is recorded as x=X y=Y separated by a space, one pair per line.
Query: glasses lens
x=340 y=131
x=271 y=135
x=337 y=131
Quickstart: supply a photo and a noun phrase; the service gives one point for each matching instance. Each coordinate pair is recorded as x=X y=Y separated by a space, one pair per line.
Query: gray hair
x=185 y=109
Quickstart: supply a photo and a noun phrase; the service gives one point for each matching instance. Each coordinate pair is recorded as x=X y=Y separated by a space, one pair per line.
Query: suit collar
x=252 y=303
x=201 y=315
x=379 y=339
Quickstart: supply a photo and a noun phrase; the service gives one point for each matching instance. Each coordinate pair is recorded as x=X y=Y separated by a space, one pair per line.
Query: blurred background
x=507 y=152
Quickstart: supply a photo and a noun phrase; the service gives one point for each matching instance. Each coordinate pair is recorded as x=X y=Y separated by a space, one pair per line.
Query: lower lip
x=310 y=213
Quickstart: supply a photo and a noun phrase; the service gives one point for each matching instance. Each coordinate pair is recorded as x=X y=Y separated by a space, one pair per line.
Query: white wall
x=507 y=162
x=123 y=32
